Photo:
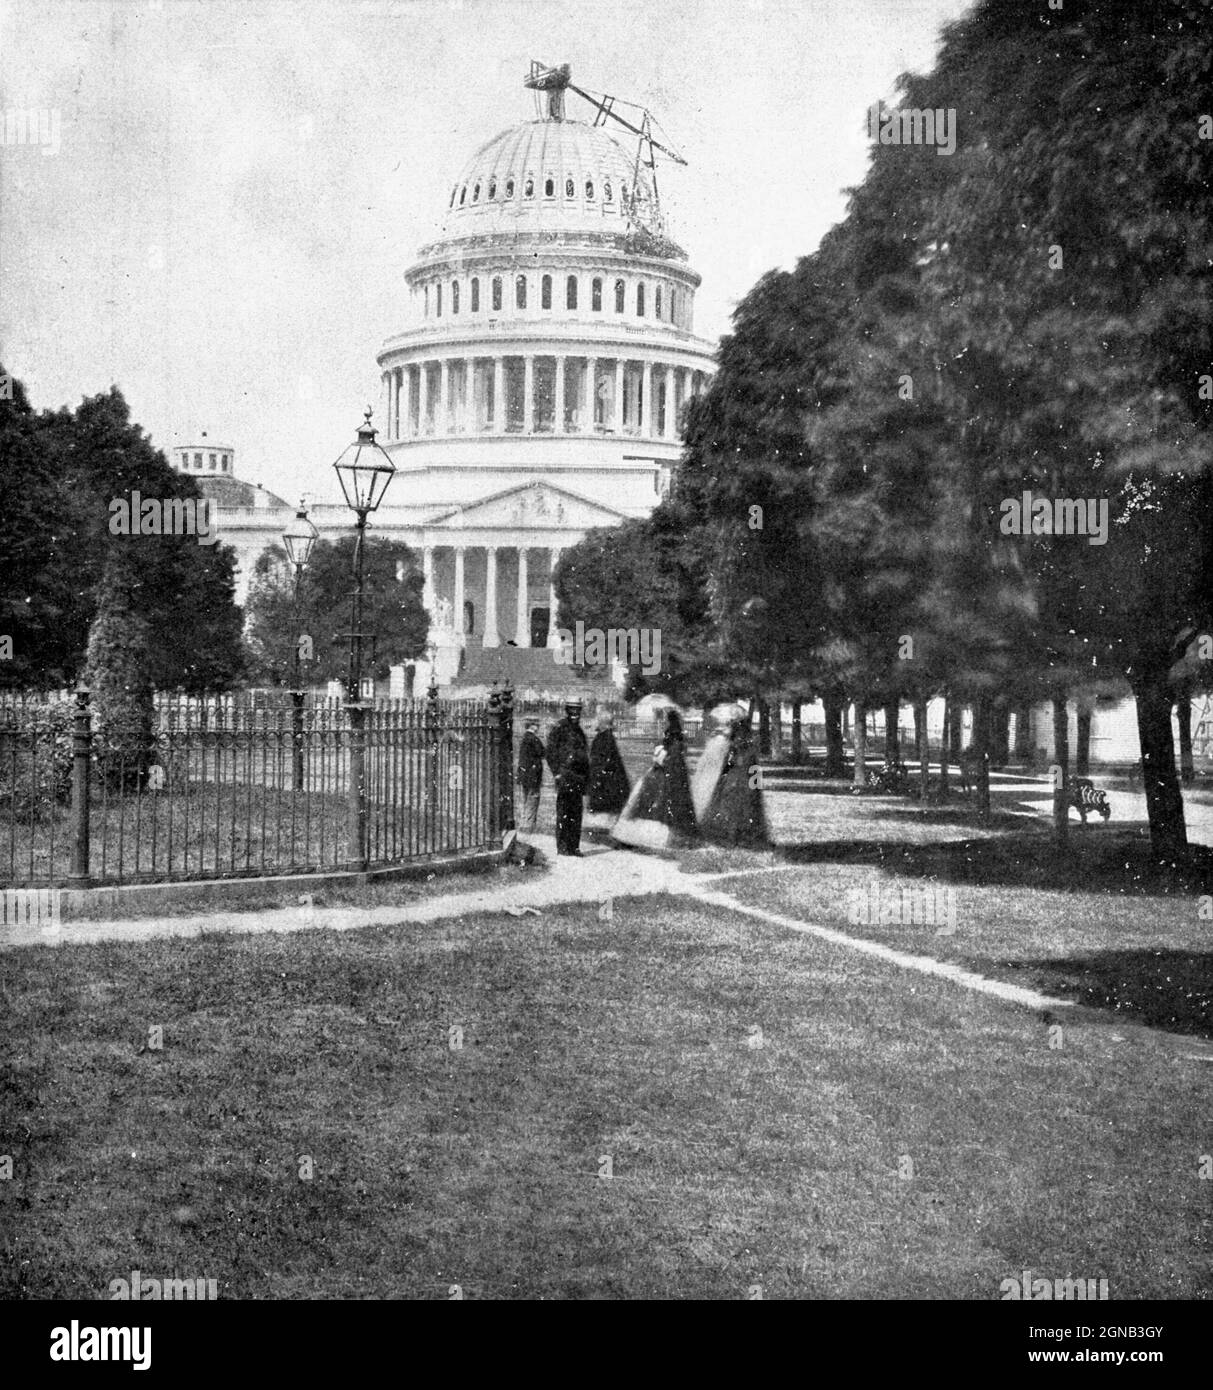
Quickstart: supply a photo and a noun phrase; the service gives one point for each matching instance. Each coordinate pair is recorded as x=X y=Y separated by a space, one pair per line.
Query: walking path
x=600 y=874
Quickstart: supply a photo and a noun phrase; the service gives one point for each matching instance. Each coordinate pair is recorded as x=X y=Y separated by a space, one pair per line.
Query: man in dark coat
x=569 y=758
x=530 y=774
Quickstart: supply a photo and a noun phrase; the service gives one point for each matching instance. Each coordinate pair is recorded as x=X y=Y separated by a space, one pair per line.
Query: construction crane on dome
x=556 y=81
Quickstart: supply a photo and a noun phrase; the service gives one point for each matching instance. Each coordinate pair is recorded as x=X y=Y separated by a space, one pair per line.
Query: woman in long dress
x=659 y=813
x=607 y=792
x=733 y=814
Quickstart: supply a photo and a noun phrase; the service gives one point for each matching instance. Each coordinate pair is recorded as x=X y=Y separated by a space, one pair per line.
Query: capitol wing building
x=536 y=391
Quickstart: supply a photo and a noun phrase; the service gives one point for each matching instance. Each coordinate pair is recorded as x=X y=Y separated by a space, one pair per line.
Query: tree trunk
x=836 y=765
x=797 y=732
x=955 y=723
x=981 y=745
x=860 y=776
x=1187 y=768
x=943 y=749
x=1082 y=752
x=892 y=747
x=1061 y=769
x=764 y=728
x=1000 y=742
x=775 y=715
x=1164 y=800
x=924 y=749
x=1023 y=734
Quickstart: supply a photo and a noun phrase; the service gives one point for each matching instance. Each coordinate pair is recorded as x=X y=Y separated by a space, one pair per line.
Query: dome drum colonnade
x=555 y=325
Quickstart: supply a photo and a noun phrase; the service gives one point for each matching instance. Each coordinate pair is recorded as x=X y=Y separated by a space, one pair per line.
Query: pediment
x=532 y=506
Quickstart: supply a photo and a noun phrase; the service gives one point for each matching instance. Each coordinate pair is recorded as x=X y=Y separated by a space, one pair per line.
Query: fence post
x=357 y=810
x=495 y=826
x=505 y=761
x=297 y=736
x=432 y=734
x=82 y=739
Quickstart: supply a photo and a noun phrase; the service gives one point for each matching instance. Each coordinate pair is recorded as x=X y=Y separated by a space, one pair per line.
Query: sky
x=230 y=193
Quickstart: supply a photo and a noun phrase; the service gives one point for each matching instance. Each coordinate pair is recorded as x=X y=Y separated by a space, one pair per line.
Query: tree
x=392 y=610
x=119 y=676
x=63 y=469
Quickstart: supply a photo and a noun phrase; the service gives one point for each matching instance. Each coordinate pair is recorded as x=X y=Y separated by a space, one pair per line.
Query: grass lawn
x=786 y=1164
x=1028 y=913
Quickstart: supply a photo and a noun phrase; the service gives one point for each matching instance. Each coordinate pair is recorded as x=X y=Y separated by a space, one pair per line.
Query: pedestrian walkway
x=601 y=873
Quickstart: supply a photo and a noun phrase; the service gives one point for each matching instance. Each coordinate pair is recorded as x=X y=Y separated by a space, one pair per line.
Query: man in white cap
x=530 y=774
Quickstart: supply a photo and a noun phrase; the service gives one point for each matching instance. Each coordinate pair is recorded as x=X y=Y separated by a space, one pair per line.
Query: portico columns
x=587 y=418
x=460 y=629
x=428 y=597
x=523 y=633
x=558 y=423
x=491 y=639
x=553 y=637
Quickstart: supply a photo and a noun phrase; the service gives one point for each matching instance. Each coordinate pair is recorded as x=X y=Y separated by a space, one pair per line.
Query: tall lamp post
x=364 y=471
x=298 y=540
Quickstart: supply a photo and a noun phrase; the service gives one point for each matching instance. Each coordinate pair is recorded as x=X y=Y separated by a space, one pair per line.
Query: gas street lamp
x=364 y=470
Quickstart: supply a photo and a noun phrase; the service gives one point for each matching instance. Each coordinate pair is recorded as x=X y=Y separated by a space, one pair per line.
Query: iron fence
x=239 y=787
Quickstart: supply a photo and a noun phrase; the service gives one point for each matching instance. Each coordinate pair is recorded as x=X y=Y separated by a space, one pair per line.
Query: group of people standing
x=667 y=808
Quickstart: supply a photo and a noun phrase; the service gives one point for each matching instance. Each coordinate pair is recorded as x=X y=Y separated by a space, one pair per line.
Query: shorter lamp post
x=298 y=540
x=364 y=471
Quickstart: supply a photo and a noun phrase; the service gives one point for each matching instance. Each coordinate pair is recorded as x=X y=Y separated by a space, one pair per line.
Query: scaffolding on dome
x=643 y=212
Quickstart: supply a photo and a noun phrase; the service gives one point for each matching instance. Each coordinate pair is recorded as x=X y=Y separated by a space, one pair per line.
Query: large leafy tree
x=63 y=470
x=392 y=610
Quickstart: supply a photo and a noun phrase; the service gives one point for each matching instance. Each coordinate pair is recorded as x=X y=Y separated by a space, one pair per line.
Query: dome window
x=463 y=194
x=475 y=295
x=520 y=292
x=438 y=301
x=454 y=195
x=545 y=292
x=570 y=292
x=528 y=188
x=623 y=193
x=496 y=293
x=619 y=293
x=492 y=189
x=476 y=194
x=596 y=294
x=606 y=191
x=549 y=187
x=509 y=188
x=570 y=188
x=426 y=302
x=640 y=300
x=657 y=302
x=589 y=189
x=454 y=296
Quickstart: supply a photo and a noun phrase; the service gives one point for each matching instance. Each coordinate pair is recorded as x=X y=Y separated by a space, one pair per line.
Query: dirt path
x=600 y=874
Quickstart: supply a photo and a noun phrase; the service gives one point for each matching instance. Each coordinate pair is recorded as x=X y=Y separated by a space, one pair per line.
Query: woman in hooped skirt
x=607 y=792
x=731 y=812
x=659 y=813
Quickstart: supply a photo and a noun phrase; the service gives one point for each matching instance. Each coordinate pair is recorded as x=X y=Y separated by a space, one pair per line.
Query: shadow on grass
x=1162 y=989
x=1111 y=861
